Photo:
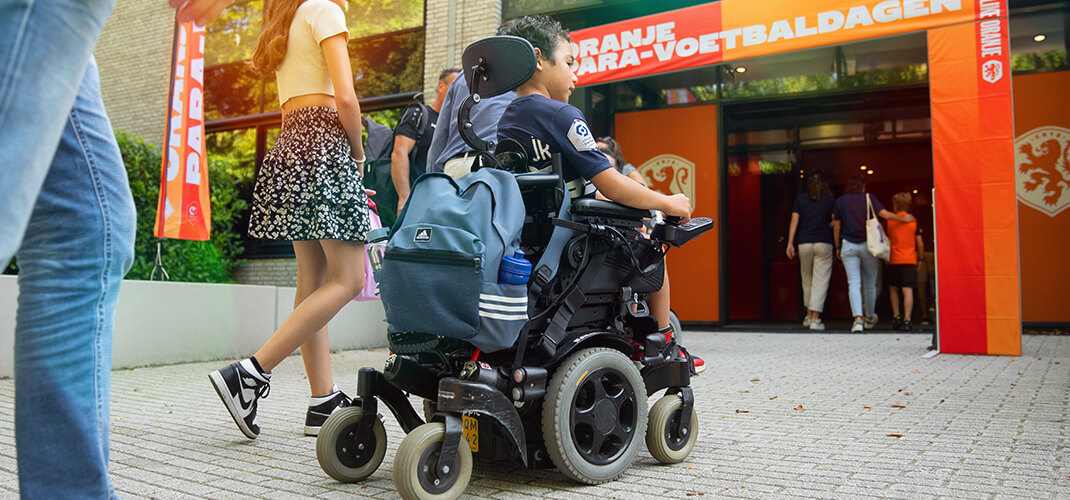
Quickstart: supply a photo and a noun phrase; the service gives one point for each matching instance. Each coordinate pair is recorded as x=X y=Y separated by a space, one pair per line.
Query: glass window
x=373 y=17
x=232 y=36
x=232 y=89
x=800 y=71
x=388 y=64
x=1038 y=40
x=894 y=60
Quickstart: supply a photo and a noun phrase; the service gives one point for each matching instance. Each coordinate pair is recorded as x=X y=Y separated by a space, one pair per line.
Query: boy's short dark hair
x=447 y=72
x=541 y=31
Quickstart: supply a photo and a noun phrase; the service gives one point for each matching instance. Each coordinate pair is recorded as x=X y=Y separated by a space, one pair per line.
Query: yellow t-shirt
x=304 y=70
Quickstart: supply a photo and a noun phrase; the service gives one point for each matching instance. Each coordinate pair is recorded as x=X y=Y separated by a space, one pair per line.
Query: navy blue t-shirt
x=814 y=218
x=851 y=209
x=544 y=127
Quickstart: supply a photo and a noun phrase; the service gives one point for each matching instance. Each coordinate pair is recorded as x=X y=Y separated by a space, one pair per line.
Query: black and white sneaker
x=322 y=407
x=240 y=385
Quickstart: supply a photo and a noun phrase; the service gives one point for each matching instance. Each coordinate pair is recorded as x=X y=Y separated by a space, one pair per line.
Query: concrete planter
x=160 y=323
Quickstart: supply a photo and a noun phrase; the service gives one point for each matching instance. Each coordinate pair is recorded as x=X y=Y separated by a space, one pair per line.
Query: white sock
x=315 y=401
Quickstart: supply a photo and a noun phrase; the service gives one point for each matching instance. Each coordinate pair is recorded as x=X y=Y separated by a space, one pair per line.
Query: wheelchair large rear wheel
x=415 y=472
x=594 y=416
x=346 y=454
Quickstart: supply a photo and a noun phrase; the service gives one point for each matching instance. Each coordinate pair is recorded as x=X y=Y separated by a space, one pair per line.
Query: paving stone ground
x=782 y=416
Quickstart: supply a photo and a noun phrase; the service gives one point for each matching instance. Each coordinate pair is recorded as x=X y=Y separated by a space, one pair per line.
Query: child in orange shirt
x=902 y=272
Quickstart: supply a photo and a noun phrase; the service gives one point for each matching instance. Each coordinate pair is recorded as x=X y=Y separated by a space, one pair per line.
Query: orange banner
x=738 y=29
x=675 y=150
x=1042 y=145
x=185 y=211
x=976 y=224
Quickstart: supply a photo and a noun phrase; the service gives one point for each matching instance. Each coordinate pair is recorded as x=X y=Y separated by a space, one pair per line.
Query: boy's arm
x=625 y=191
x=919 y=246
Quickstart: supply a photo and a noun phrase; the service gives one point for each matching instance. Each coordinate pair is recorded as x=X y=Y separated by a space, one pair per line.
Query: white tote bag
x=876 y=240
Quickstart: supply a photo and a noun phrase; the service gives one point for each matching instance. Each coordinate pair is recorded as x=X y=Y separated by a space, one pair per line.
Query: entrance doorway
x=772 y=145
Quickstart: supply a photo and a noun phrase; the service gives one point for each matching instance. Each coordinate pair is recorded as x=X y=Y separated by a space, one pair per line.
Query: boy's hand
x=790 y=252
x=678 y=206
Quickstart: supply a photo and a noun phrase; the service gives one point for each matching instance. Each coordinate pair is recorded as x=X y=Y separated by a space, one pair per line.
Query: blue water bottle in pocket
x=515 y=269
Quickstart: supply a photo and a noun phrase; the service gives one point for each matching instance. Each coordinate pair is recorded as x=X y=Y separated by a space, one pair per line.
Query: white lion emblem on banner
x=1042 y=173
x=670 y=174
x=992 y=71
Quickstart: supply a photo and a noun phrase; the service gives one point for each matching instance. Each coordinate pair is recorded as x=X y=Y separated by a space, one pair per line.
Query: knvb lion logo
x=670 y=174
x=1042 y=173
x=992 y=71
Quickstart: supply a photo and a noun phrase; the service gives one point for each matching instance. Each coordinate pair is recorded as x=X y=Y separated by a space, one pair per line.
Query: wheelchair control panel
x=677 y=234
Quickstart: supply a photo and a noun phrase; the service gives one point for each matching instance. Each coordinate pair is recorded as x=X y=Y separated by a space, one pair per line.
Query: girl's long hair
x=817 y=186
x=271 y=46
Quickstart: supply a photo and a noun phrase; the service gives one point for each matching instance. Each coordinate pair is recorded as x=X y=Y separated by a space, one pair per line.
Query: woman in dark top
x=849 y=222
x=811 y=221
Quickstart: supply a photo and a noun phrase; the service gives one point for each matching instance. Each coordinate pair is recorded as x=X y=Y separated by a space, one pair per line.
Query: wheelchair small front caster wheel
x=417 y=471
x=666 y=446
x=346 y=454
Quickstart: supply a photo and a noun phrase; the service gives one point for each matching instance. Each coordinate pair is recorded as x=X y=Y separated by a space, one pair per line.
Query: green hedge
x=198 y=261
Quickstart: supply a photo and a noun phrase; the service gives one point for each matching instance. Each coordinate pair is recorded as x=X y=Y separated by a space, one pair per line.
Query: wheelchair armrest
x=591 y=207
x=537 y=180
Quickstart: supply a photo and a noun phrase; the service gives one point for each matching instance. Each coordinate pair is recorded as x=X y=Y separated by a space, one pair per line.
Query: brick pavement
x=972 y=426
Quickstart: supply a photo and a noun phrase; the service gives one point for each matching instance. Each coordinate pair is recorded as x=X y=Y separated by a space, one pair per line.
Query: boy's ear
x=538 y=59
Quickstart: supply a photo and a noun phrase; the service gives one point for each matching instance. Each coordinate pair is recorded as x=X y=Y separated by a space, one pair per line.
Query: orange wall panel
x=1042 y=125
x=676 y=151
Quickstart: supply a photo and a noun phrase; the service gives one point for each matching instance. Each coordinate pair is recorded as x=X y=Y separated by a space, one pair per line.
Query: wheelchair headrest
x=498 y=64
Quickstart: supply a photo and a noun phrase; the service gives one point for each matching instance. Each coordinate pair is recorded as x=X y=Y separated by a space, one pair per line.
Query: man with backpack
x=412 y=139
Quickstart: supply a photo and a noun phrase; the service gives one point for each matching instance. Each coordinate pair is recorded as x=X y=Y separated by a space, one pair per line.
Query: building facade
x=860 y=105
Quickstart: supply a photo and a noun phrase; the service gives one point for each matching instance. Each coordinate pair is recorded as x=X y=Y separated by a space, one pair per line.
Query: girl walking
x=308 y=191
x=811 y=226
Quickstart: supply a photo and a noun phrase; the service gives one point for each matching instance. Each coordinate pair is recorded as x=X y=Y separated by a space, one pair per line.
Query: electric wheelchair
x=572 y=391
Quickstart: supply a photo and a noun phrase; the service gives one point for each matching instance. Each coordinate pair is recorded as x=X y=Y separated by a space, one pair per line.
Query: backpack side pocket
x=503 y=310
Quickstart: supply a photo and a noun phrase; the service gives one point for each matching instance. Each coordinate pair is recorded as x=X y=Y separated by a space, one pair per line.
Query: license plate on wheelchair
x=470 y=429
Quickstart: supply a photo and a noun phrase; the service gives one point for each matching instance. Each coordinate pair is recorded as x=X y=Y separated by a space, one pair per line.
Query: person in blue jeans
x=68 y=216
x=849 y=221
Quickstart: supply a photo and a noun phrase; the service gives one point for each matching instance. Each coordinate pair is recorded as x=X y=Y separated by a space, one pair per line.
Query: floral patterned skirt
x=309 y=187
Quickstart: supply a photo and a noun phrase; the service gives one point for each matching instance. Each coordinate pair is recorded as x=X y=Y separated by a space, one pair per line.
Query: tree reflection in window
x=386 y=51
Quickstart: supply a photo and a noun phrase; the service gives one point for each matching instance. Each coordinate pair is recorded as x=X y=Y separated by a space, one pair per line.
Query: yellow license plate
x=470 y=428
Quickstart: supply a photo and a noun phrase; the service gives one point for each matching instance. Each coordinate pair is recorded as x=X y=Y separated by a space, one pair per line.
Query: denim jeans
x=69 y=217
x=861 y=267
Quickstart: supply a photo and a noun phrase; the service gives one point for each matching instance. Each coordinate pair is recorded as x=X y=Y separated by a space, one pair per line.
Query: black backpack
x=377 y=150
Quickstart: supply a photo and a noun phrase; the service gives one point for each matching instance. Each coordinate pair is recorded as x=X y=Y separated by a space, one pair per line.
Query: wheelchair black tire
x=561 y=396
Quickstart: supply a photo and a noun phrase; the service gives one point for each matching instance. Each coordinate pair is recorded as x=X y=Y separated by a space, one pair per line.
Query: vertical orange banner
x=675 y=150
x=184 y=210
x=976 y=209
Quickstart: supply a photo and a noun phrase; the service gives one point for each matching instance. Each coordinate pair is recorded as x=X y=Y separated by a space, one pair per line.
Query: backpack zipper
x=429 y=256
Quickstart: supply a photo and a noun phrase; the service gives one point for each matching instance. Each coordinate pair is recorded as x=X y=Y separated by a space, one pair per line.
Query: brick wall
x=134 y=55
x=272 y=272
x=475 y=19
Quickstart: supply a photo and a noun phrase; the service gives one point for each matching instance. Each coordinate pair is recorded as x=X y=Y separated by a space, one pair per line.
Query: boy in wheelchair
x=542 y=122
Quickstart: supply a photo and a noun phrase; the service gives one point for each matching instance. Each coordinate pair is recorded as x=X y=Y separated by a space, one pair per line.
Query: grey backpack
x=440 y=266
